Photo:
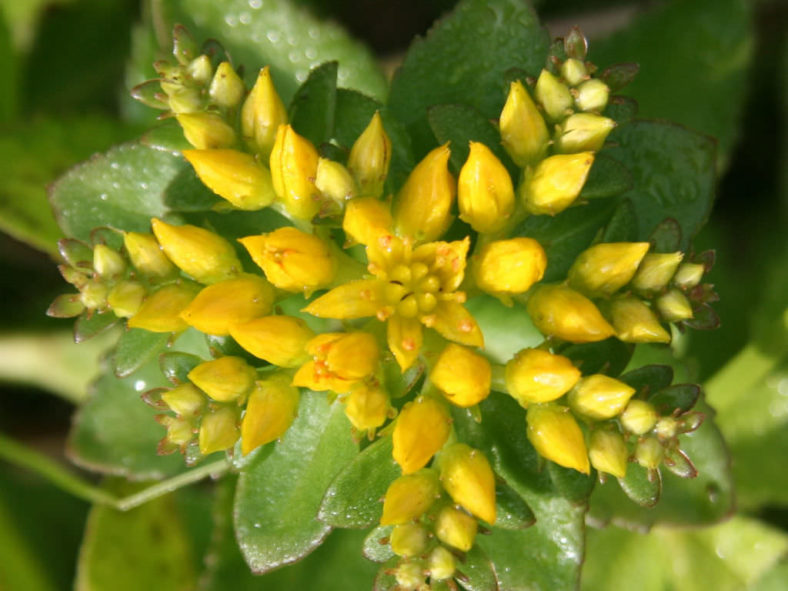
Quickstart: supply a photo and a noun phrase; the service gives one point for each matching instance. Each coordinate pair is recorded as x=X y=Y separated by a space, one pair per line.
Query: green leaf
x=506 y=330
x=478 y=571
x=649 y=378
x=463 y=60
x=640 y=487
x=607 y=178
x=8 y=72
x=622 y=225
x=176 y=366
x=376 y=547
x=709 y=46
x=187 y=192
x=610 y=356
x=91 y=324
x=123 y=188
x=512 y=512
x=672 y=173
x=144 y=548
x=135 y=348
x=314 y=104
x=679 y=397
x=279 y=497
x=353 y=499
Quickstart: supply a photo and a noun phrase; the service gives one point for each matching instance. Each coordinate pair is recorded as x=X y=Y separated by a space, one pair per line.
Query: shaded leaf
x=376 y=547
x=607 y=178
x=512 y=512
x=622 y=224
x=135 y=347
x=506 y=330
x=681 y=397
x=93 y=323
x=640 y=486
x=648 y=379
x=477 y=570
x=176 y=366
x=313 y=106
x=610 y=356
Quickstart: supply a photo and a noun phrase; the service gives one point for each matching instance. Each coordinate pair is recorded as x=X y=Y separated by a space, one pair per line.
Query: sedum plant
x=428 y=317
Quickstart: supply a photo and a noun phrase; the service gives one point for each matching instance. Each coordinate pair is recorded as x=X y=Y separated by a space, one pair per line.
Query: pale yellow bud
x=234 y=176
x=270 y=410
x=93 y=294
x=635 y=322
x=423 y=206
x=218 y=430
x=674 y=306
x=226 y=89
x=183 y=100
x=555 y=435
x=232 y=301
x=574 y=71
x=689 y=275
x=224 y=379
x=367 y=407
x=262 y=114
x=200 y=69
x=441 y=564
x=639 y=417
x=556 y=182
x=608 y=452
x=370 y=157
x=468 y=478
x=408 y=539
x=420 y=431
x=509 y=266
x=456 y=528
x=649 y=453
x=485 y=193
x=125 y=298
x=592 y=95
x=553 y=95
x=334 y=181
x=161 y=310
x=185 y=400
x=523 y=129
x=366 y=219
x=656 y=271
x=179 y=431
x=605 y=268
x=206 y=131
x=462 y=375
x=536 y=376
x=600 y=397
x=666 y=428
x=409 y=497
x=409 y=576
x=293 y=172
x=280 y=340
x=146 y=255
x=107 y=262
x=293 y=260
x=561 y=312
x=205 y=256
x=583 y=132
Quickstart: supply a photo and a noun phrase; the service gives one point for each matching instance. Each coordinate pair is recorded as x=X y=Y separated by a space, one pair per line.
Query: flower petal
x=446 y=260
x=356 y=299
x=404 y=339
x=455 y=323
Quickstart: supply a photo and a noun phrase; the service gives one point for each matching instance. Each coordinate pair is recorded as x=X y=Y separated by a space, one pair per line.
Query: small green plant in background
x=417 y=335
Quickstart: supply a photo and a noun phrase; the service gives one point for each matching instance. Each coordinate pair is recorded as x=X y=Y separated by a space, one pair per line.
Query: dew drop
x=114 y=166
x=314 y=32
x=255 y=4
x=311 y=53
x=231 y=20
x=301 y=75
x=273 y=36
x=103 y=196
x=294 y=56
x=245 y=18
x=139 y=385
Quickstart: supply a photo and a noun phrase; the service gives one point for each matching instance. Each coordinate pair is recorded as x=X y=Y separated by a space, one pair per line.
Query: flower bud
x=293 y=172
x=509 y=266
x=232 y=301
x=293 y=260
x=370 y=157
x=67 y=305
x=108 y=263
x=666 y=428
x=523 y=130
x=183 y=100
x=125 y=298
x=553 y=94
x=93 y=295
x=462 y=375
x=600 y=397
x=635 y=322
x=205 y=256
x=556 y=182
x=423 y=206
x=420 y=431
x=262 y=114
x=536 y=376
x=456 y=528
x=656 y=270
x=689 y=275
x=649 y=453
x=340 y=360
x=334 y=181
x=146 y=255
x=674 y=306
x=161 y=310
x=485 y=194
x=218 y=430
x=270 y=410
x=608 y=452
x=441 y=564
x=592 y=95
x=638 y=417
x=408 y=539
x=367 y=407
x=279 y=340
x=574 y=71
x=409 y=576
x=200 y=69
x=605 y=268
x=409 y=497
x=366 y=219
x=179 y=431
x=583 y=132
x=185 y=400
x=224 y=379
x=468 y=478
x=234 y=176
x=206 y=131
x=562 y=312
x=226 y=89
x=555 y=435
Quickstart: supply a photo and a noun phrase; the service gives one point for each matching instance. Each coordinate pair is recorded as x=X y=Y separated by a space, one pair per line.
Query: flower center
x=412 y=290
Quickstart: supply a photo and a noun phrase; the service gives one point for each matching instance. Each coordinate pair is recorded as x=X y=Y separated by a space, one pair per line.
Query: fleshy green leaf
x=607 y=178
x=463 y=60
x=353 y=499
x=512 y=512
x=640 y=487
x=649 y=378
x=376 y=546
x=176 y=366
x=610 y=356
x=314 y=104
x=279 y=497
x=681 y=397
x=478 y=571
x=506 y=330
x=91 y=324
x=186 y=192
x=622 y=225
x=135 y=348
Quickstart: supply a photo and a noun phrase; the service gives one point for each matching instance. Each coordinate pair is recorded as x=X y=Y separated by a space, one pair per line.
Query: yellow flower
x=409 y=497
x=635 y=322
x=420 y=431
x=226 y=89
x=185 y=399
x=334 y=181
x=161 y=310
x=412 y=287
x=600 y=397
x=639 y=417
x=262 y=114
x=125 y=298
x=605 y=268
x=485 y=194
x=592 y=95
x=146 y=255
x=462 y=375
x=218 y=430
x=656 y=271
x=608 y=452
x=441 y=564
x=555 y=434
x=455 y=528
x=533 y=375
x=340 y=360
x=674 y=306
x=408 y=539
x=649 y=453
x=280 y=340
x=553 y=94
x=523 y=130
x=506 y=267
x=367 y=407
x=370 y=157
x=293 y=172
x=107 y=262
x=468 y=478
x=224 y=379
x=556 y=182
x=559 y=311
x=270 y=411
x=583 y=132
x=206 y=131
x=366 y=219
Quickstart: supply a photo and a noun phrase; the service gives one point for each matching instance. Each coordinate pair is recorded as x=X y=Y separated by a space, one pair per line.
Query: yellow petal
x=562 y=312
x=224 y=379
x=234 y=176
x=523 y=130
x=485 y=194
x=367 y=407
x=533 y=375
x=409 y=497
x=555 y=434
x=420 y=431
x=366 y=219
x=404 y=337
x=600 y=397
x=455 y=528
x=509 y=266
x=161 y=311
x=608 y=452
x=219 y=430
x=270 y=411
x=262 y=114
x=468 y=478
x=462 y=375
x=357 y=299
x=446 y=259
x=280 y=340
x=605 y=268
x=454 y=322
x=370 y=157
